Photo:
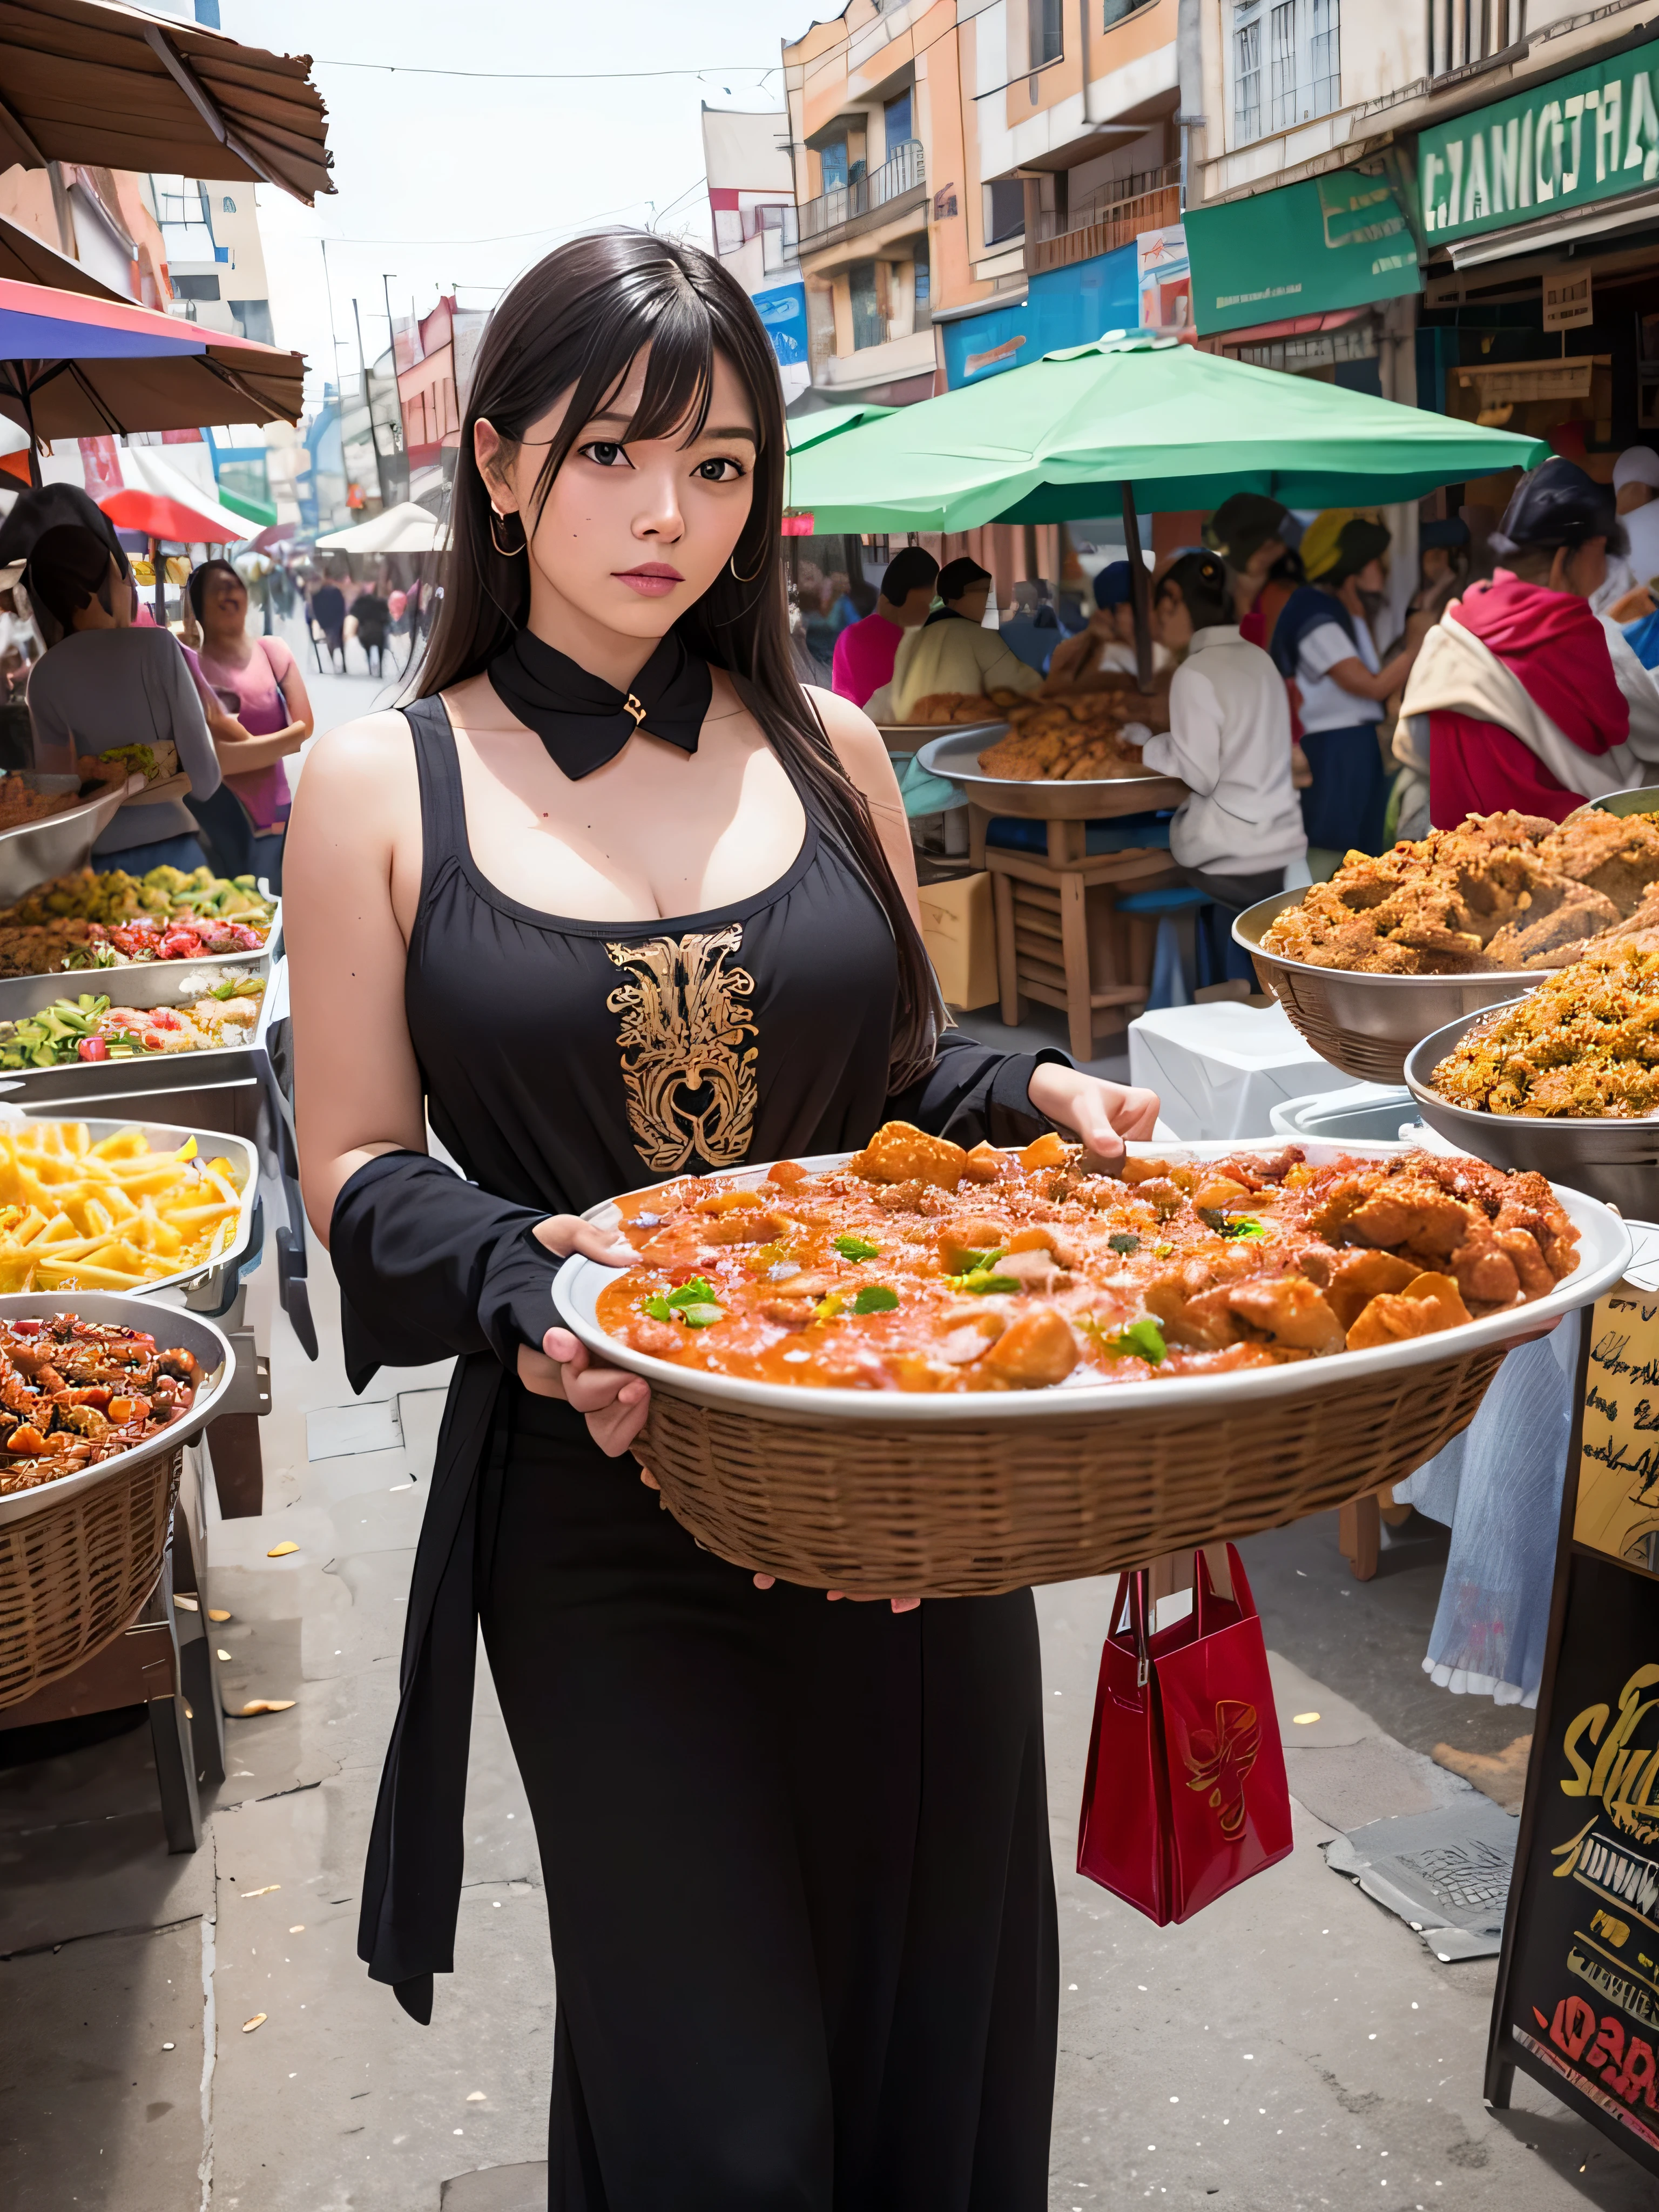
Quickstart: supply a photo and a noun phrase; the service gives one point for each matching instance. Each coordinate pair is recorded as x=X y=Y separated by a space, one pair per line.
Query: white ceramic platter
x=1604 y=1251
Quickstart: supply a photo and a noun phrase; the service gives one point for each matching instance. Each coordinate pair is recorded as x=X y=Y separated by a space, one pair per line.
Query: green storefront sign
x=1336 y=242
x=1592 y=136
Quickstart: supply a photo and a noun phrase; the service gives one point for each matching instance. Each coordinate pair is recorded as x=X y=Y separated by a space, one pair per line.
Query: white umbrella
x=156 y=497
x=406 y=528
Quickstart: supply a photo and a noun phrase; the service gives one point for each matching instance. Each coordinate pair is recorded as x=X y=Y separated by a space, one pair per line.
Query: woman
x=258 y=682
x=1322 y=642
x=374 y=619
x=1228 y=741
x=328 y=614
x=796 y=1853
x=107 y=681
x=1261 y=569
x=1517 y=691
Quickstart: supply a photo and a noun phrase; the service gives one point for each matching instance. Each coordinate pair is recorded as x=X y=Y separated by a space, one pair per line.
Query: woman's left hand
x=1102 y=1114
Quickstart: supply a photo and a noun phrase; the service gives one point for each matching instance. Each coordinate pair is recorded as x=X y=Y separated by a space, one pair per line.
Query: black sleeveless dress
x=796 y=1853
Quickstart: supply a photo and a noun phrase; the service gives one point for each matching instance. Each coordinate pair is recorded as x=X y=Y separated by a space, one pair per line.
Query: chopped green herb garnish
x=1124 y=1244
x=857 y=1248
x=696 y=1304
x=875 y=1298
x=1162 y=1251
x=1142 y=1340
x=1247 y=1225
x=975 y=1263
x=981 y=1281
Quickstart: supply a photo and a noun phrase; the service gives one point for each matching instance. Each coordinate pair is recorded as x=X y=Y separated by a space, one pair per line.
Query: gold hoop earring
x=506 y=552
x=732 y=565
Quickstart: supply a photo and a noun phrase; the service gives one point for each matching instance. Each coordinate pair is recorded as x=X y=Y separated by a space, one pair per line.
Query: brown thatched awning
x=90 y=81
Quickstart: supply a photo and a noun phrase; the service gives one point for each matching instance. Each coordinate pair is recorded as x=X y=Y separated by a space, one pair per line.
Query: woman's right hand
x=614 y=1401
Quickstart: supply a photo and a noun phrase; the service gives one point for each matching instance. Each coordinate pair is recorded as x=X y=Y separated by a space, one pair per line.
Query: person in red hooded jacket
x=1516 y=683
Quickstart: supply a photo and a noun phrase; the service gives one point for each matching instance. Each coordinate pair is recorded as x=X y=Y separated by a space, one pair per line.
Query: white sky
x=432 y=171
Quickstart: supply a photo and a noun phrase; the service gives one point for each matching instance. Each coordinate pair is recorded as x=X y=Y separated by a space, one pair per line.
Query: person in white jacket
x=1228 y=741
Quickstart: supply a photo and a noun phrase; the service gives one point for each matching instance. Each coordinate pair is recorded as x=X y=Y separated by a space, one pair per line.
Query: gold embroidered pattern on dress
x=689 y=1080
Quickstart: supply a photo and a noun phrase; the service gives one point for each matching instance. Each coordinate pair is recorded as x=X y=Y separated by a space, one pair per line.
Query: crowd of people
x=1304 y=722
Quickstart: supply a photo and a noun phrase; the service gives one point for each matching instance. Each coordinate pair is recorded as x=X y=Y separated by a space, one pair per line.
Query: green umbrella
x=804 y=430
x=1136 y=423
x=1058 y=441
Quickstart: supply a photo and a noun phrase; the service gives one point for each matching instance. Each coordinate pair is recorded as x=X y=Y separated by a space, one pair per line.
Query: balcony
x=1102 y=223
x=899 y=185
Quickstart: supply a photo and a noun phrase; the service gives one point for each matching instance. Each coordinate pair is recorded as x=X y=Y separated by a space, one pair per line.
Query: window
x=1281 y=46
x=832 y=163
x=924 y=276
x=228 y=204
x=1247 y=79
x=1325 y=58
x=1004 y=209
x=896 y=114
x=1114 y=11
x=1304 y=65
x=1044 y=17
x=869 y=325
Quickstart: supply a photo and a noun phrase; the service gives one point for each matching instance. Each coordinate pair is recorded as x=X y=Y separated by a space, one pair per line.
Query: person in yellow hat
x=1322 y=643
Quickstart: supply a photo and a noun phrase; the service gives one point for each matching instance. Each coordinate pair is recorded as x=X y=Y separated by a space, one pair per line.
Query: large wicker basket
x=954 y=1496
x=988 y=1511
x=79 y=1557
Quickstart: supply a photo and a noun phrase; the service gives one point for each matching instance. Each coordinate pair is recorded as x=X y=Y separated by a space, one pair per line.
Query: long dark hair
x=1201 y=579
x=575 y=322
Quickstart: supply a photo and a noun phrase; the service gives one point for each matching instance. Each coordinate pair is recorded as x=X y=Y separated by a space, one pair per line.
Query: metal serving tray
x=1039 y=799
x=1366 y=1024
x=70 y=982
x=911 y=736
x=167 y=1137
x=34 y=854
x=1616 y=1161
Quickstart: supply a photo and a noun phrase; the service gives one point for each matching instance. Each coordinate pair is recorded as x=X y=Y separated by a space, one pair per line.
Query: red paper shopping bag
x=1185 y=1795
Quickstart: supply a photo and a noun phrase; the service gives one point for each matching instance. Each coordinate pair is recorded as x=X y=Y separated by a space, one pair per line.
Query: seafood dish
x=1584 y=1043
x=89 y=1028
x=919 y=1266
x=73 y=1393
x=1501 y=892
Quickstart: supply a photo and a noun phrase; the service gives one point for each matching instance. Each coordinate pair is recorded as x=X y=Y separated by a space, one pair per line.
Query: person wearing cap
x=1443 y=560
x=951 y=651
x=866 y=651
x=1106 y=644
x=1517 y=683
x=1322 y=643
x=1636 y=504
x=1262 y=570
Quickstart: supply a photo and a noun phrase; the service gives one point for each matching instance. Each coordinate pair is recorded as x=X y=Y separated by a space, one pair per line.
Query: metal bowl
x=905 y=737
x=1366 y=1024
x=1616 y=1161
x=1038 y=799
x=39 y=851
x=1642 y=800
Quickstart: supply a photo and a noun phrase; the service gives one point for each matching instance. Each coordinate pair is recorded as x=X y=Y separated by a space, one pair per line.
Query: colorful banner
x=783 y=311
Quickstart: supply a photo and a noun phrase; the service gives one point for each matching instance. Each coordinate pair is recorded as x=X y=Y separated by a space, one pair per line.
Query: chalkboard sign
x=1577 y=1999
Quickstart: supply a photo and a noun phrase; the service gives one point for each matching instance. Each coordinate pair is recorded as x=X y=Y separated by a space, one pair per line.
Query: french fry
x=113 y=1214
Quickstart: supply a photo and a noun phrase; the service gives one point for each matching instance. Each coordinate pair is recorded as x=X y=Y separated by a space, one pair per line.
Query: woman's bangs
x=679 y=371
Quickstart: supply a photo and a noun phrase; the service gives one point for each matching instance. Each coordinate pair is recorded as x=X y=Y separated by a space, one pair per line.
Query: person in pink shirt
x=257 y=681
x=866 y=651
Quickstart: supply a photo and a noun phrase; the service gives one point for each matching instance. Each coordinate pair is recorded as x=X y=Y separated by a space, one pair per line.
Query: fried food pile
x=1500 y=892
x=919 y=1266
x=1076 y=738
x=22 y=803
x=963 y=706
x=1584 y=1042
x=76 y=1392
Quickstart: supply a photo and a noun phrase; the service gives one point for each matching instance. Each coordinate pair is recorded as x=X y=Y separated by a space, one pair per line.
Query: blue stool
x=1170 y=985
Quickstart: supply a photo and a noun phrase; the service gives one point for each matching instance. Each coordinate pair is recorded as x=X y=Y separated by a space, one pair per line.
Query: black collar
x=584 y=721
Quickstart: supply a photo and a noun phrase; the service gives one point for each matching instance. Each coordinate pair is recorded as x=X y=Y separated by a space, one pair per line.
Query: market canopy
x=1183 y=429
x=405 y=528
x=822 y=422
x=162 y=500
x=79 y=364
x=89 y=81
